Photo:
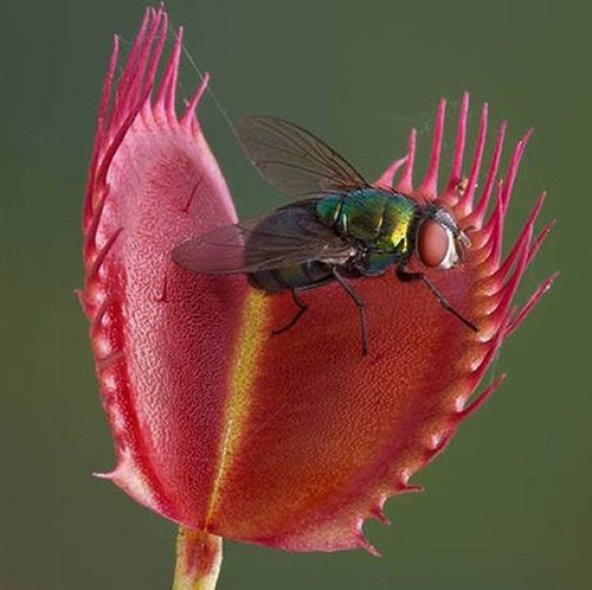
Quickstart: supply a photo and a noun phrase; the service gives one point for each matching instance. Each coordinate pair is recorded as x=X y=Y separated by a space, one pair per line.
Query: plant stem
x=199 y=556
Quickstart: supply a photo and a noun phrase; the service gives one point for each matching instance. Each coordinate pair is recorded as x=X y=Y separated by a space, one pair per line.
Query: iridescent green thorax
x=382 y=220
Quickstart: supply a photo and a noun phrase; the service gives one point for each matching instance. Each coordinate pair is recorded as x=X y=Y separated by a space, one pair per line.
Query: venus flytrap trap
x=293 y=441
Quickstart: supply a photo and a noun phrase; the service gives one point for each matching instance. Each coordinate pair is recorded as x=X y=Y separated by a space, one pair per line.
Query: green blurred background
x=508 y=505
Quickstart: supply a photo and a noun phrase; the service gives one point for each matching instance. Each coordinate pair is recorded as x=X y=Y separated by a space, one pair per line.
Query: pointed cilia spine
x=499 y=279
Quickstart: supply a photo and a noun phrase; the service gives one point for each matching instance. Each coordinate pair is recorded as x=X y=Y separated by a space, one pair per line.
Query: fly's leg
x=361 y=308
x=302 y=307
x=404 y=275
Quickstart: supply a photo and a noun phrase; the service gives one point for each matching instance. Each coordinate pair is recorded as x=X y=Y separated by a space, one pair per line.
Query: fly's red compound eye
x=435 y=245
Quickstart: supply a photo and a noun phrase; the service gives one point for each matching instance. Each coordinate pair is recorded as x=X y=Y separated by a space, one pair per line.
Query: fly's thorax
x=356 y=215
x=379 y=223
x=370 y=215
x=395 y=242
x=398 y=226
x=362 y=214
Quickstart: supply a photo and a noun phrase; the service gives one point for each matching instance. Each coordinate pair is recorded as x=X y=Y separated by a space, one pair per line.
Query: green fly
x=342 y=228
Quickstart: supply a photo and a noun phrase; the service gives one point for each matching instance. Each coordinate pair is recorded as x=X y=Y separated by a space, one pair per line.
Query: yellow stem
x=199 y=556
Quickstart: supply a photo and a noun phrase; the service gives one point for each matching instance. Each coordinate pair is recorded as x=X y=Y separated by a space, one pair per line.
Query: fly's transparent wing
x=295 y=161
x=289 y=236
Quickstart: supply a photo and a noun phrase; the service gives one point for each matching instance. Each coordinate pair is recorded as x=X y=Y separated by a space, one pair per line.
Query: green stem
x=199 y=556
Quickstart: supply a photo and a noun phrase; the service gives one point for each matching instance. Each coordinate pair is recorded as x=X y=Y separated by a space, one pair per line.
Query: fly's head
x=440 y=243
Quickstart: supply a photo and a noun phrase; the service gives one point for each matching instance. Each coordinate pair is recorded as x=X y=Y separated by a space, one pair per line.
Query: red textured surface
x=160 y=334
x=325 y=435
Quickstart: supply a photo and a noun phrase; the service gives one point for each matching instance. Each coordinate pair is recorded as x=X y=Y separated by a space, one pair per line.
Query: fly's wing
x=295 y=161
x=289 y=236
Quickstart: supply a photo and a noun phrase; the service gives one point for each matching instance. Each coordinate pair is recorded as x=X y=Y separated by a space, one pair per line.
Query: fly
x=342 y=228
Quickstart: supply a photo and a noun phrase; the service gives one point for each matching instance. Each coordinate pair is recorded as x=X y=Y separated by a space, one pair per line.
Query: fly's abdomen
x=381 y=221
x=301 y=276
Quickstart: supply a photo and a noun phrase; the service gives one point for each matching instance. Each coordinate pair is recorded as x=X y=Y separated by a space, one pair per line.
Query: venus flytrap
x=294 y=441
